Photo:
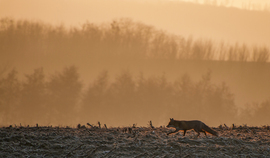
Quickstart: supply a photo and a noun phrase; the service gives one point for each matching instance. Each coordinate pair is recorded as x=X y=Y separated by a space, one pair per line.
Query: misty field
x=123 y=71
x=240 y=141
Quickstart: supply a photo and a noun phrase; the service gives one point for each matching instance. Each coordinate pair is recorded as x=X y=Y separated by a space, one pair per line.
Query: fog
x=201 y=21
x=92 y=61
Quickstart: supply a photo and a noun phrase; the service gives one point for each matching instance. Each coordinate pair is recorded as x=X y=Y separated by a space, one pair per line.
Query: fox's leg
x=176 y=130
x=184 y=132
x=197 y=132
x=203 y=132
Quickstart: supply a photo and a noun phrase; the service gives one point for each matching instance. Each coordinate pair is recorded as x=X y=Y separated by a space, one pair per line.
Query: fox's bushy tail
x=209 y=130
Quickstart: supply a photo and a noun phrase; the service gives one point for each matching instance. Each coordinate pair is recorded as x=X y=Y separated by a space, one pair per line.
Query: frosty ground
x=84 y=141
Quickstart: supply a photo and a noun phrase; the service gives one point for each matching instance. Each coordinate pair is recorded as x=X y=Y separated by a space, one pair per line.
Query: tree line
x=60 y=99
x=122 y=38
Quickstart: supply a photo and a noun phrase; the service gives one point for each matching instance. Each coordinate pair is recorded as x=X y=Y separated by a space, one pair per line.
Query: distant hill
x=182 y=18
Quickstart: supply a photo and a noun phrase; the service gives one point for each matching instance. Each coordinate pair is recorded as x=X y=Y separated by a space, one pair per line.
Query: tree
x=122 y=98
x=33 y=104
x=203 y=99
x=95 y=98
x=10 y=88
x=64 y=91
x=124 y=86
x=183 y=95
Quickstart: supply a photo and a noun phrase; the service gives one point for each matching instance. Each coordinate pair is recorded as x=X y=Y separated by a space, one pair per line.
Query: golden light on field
x=125 y=61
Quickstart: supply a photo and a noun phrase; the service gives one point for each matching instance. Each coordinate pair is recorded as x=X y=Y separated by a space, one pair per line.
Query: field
x=240 y=141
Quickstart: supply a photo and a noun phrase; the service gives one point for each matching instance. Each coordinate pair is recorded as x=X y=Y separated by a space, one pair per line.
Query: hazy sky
x=231 y=24
x=183 y=19
x=235 y=3
x=65 y=11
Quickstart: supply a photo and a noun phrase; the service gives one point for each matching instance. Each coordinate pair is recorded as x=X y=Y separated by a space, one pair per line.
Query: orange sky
x=228 y=24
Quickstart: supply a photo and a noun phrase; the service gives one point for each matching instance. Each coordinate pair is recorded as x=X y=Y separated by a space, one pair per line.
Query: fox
x=196 y=125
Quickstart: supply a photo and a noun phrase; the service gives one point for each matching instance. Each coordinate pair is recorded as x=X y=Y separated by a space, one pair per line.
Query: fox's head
x=171 y=123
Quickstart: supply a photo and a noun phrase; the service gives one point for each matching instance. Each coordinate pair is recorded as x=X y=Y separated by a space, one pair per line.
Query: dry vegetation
x=241 y=141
